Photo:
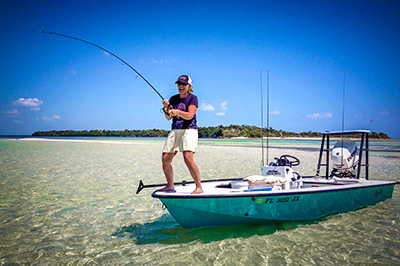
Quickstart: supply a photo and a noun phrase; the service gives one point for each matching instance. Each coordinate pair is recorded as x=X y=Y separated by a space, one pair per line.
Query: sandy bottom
x=73 y=201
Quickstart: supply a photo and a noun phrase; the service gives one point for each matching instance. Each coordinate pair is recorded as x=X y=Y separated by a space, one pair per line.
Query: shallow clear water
x=74 y=202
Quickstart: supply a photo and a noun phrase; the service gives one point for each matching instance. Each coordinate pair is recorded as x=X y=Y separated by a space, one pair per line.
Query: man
x=181 y=108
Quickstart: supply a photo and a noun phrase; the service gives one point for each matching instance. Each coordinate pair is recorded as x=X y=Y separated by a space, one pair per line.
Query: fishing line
x=128 y=65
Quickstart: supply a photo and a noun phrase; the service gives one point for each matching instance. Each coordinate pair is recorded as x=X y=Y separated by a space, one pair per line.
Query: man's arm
x=185 y=115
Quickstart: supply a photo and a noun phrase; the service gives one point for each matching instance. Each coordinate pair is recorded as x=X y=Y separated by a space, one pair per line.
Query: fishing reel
x=166 y=109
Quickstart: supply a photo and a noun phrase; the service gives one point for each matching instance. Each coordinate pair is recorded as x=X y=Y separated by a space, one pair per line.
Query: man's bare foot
x=167 y=188
x=198 y=190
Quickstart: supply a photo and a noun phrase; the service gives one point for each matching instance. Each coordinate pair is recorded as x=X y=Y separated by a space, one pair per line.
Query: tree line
x=204 y=132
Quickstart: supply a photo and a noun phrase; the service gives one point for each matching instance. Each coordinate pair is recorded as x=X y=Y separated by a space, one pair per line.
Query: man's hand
x=175 y=113
x=166 y=107
x=165 y=103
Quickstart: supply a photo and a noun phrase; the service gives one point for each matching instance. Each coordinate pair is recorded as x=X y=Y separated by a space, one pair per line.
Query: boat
x=280 y=194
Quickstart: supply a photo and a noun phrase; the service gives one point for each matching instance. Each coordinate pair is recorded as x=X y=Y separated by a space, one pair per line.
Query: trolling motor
x=345 y=157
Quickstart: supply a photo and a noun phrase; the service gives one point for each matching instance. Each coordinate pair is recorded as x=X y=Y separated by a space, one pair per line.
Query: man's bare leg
x=168 y=171
x=194 y=171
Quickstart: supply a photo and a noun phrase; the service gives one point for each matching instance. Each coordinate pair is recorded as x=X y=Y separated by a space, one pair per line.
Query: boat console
x=277 y=176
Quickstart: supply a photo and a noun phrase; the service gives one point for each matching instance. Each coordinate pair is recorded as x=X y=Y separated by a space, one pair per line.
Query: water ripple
x=74 y=203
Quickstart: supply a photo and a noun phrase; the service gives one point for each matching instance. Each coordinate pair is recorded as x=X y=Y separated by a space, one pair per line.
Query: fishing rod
x=268 y=118
x=262 y=123
x=77 y=39
x=344 y=94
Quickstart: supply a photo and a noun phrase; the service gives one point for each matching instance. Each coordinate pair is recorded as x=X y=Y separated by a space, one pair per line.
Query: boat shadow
x=166 y=230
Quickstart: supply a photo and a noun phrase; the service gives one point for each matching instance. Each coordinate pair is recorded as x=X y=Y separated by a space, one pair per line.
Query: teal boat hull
x=218 y=210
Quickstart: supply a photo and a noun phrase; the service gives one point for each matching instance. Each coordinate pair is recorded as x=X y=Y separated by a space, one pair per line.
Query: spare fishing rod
x=95 y=45
x=262 y=122
x=344 y=94
x=268 y=118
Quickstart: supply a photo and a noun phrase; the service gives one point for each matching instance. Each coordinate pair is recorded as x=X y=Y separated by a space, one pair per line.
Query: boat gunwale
x=341 y=187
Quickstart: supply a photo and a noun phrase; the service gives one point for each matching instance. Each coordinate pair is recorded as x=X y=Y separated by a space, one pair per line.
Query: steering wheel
x=294 y=162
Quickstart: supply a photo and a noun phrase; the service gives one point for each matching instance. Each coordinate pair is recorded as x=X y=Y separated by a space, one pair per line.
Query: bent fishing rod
x=77 y=39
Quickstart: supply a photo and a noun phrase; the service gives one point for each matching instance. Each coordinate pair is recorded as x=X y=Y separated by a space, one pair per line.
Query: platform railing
x=364 y=139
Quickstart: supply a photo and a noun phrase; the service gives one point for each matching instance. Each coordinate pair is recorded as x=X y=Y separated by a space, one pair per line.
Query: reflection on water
x=166 y=230
x=74 y=202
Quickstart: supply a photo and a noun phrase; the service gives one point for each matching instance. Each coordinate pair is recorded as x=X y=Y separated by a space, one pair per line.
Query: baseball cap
x=185 y=79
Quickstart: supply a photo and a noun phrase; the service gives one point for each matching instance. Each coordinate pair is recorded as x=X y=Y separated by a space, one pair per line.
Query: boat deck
x=239 y=188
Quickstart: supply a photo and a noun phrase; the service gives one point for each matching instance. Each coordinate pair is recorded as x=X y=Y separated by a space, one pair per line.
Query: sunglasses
x=180 y=83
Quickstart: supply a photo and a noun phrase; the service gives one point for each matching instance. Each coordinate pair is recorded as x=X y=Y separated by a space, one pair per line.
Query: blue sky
x=54 y=83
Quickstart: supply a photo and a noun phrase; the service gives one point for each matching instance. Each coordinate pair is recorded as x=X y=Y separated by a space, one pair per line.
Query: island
x=232 y=131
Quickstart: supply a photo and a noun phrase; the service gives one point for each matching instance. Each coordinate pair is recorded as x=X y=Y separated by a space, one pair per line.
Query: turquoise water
x=73 y=201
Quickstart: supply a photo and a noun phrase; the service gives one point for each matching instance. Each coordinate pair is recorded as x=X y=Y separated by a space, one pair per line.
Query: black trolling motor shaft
x=77 y=39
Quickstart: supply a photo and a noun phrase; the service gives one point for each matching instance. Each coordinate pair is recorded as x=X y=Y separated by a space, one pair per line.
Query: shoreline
x=275 y=138
x=135 y=139
x=81 y=140
x=309 y=144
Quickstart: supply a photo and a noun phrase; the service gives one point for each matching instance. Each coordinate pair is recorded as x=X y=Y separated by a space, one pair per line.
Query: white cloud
x=276 y=112
x=11 y=112
x=224 y=105
x=206 y=107
x=35 y=109
x=220 y=114
x=18 y=122
x=157 y=61
x=51 y=118
x=317 y=115
x=73 y=72
x=383 y=113
x=29 y=102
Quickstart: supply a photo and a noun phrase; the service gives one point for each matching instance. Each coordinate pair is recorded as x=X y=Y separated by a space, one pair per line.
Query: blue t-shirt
x=183 y=105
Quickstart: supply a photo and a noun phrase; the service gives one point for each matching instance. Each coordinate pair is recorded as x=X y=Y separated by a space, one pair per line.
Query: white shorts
x=181 y=140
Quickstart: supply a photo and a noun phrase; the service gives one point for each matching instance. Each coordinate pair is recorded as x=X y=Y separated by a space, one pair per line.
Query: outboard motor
x=345 y=157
